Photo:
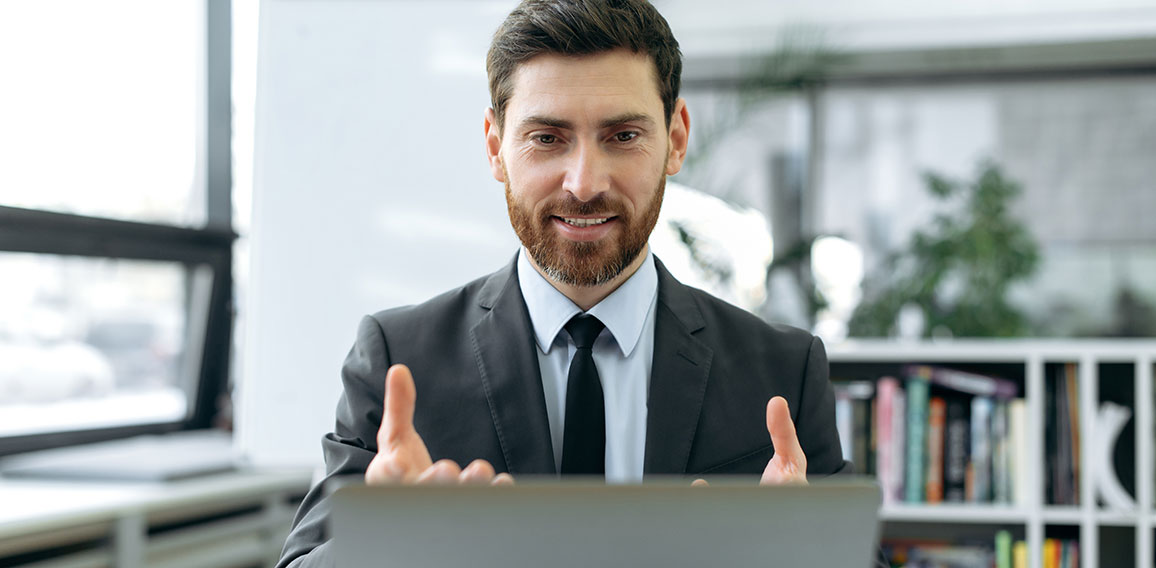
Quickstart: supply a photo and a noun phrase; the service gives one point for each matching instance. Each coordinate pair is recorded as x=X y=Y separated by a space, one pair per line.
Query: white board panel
x=371 y=190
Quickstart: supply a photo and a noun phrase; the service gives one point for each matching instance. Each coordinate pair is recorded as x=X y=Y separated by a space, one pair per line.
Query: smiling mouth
x=581 y=222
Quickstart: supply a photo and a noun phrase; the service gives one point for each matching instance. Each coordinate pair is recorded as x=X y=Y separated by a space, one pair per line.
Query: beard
x=586 y=263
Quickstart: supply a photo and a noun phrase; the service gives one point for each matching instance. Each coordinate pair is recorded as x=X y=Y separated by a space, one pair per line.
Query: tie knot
x=584 y=329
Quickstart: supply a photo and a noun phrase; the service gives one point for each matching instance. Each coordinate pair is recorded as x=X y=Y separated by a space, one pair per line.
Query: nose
x=587 y=172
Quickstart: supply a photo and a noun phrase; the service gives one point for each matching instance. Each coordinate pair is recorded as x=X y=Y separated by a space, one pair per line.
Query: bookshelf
x=1117 y=371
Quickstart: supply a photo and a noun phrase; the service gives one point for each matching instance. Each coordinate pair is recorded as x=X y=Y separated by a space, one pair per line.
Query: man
x=584 y=355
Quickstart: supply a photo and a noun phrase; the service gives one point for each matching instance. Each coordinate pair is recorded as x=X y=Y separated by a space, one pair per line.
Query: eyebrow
x=551 y=122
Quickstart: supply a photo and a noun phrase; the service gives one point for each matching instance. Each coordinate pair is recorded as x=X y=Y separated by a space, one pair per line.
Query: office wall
x=371 y=190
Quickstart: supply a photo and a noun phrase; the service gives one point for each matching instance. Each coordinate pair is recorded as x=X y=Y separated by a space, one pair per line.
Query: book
x=1001 y=460
x=1003 y=549
x=1064 y=490
x=888 y=469
x=936 y=418
x=955 y=556
x=853 y=420
x=1051 y=444
x=861 y=434
x=980 y=489
x=964 y=382
x=1073 y=421
x=918 y=385
x=1052 y=553
x=1018 y=449
x=1020 y=554
x=844 y=423
x=956 y=450
x=899 y=438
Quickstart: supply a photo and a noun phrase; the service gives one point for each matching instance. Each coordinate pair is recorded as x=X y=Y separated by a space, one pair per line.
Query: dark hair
x=582 y=27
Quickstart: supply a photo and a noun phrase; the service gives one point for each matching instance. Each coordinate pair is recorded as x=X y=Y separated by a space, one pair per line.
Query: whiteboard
x=371 y=190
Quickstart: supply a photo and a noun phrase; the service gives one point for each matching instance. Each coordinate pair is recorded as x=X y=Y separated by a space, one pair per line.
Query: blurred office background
x=203 y=198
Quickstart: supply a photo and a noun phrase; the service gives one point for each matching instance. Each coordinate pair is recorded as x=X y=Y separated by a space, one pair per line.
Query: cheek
x=532 y=181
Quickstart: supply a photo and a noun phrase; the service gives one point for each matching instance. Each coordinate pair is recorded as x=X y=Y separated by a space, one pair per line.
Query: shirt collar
x=623 y=312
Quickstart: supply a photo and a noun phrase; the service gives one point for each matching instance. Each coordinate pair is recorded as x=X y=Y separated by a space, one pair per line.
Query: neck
x=586 y=297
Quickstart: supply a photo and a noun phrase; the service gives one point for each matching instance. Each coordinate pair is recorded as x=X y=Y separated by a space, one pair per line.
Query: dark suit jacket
x=479 y=392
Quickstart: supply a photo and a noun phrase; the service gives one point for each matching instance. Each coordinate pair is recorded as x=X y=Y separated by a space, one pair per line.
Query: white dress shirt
x=622 y=353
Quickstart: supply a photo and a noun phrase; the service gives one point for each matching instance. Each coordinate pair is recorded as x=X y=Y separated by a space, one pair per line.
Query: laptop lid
x=568 y=524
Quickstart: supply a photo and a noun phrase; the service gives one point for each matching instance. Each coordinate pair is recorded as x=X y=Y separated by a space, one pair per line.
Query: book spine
x=969 y=383
x=1000 y=467
x=1018 y=443
x=1020 y=554
x=956 y=451
x=844 y=424
x=936 y=418
x=917 y=399
x=981 y=408
x=885 y=441
x=1051 y=553
x=861 y=434
x=1051 y=446
x=1070 y=387
x=1003 y=549
x=899 y=443
x=1062 y=474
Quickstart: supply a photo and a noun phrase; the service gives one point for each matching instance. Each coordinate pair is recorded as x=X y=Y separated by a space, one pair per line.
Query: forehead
x=606 y=83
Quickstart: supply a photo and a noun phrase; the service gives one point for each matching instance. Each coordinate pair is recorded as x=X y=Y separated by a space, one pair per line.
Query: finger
x=479 y=471
x=400 y=398
x=441 y=472
x=700 y=482
x=502 y=479
x=782 y=430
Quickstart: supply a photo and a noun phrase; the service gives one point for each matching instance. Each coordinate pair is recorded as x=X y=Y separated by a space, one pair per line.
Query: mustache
x=571 y=206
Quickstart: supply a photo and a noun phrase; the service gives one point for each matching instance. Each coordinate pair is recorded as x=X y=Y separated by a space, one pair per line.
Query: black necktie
x=584 y=436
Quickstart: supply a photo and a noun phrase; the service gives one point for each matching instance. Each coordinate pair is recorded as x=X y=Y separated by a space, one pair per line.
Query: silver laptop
x=568 y=524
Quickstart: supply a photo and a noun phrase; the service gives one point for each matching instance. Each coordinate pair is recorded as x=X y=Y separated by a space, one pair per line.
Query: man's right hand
x=401 y=454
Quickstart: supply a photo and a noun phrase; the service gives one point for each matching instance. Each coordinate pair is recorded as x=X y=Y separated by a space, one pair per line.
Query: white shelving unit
x=236 y=519
x=1034 y=516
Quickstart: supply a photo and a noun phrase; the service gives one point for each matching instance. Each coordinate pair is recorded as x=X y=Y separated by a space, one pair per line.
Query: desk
x=229 y=519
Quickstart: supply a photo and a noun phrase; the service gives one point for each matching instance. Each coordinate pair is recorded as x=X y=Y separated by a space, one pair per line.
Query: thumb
x=400 y=398
x=782 y=430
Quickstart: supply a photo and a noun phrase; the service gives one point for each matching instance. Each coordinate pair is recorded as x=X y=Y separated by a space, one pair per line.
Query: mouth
x=584 y=221
x=584 y=229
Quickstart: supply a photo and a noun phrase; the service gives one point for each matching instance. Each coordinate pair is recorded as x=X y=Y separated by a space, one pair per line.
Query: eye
x=625 y=136
x=545 y=139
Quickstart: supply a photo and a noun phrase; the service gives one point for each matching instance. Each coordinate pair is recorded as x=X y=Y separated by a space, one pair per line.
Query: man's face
x=584 y=154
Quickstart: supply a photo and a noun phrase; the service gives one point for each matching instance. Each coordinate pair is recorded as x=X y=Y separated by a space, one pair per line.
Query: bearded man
x=583 y=355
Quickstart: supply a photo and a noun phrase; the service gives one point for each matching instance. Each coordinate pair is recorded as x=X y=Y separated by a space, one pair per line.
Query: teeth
x=585 y=222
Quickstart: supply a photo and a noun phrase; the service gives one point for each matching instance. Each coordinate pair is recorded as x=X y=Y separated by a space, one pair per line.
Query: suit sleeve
x=348 y=449
x=815 y=417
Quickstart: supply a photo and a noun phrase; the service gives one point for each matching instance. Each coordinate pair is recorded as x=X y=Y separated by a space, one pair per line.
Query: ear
x=494 y=147
x=679 y=137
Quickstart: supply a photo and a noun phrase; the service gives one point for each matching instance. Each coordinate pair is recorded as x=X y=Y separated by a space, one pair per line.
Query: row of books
x=937 y=435
x=1003 y=553
x=1062 y=438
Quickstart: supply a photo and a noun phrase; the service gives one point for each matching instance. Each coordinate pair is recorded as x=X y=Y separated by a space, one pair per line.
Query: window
x=115 y=219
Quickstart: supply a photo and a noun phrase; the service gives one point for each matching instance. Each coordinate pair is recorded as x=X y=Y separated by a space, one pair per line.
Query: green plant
x=957 y=271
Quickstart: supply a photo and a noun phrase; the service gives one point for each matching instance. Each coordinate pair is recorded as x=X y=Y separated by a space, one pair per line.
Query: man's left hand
x=789 y=464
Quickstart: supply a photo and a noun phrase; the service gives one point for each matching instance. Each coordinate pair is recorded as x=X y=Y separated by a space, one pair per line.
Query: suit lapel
x=507 y=362
x=678 y=378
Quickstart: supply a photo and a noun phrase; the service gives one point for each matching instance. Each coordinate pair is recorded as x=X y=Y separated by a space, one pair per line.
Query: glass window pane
x=1081 y=149
x=91 y=343
x=99 y=110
